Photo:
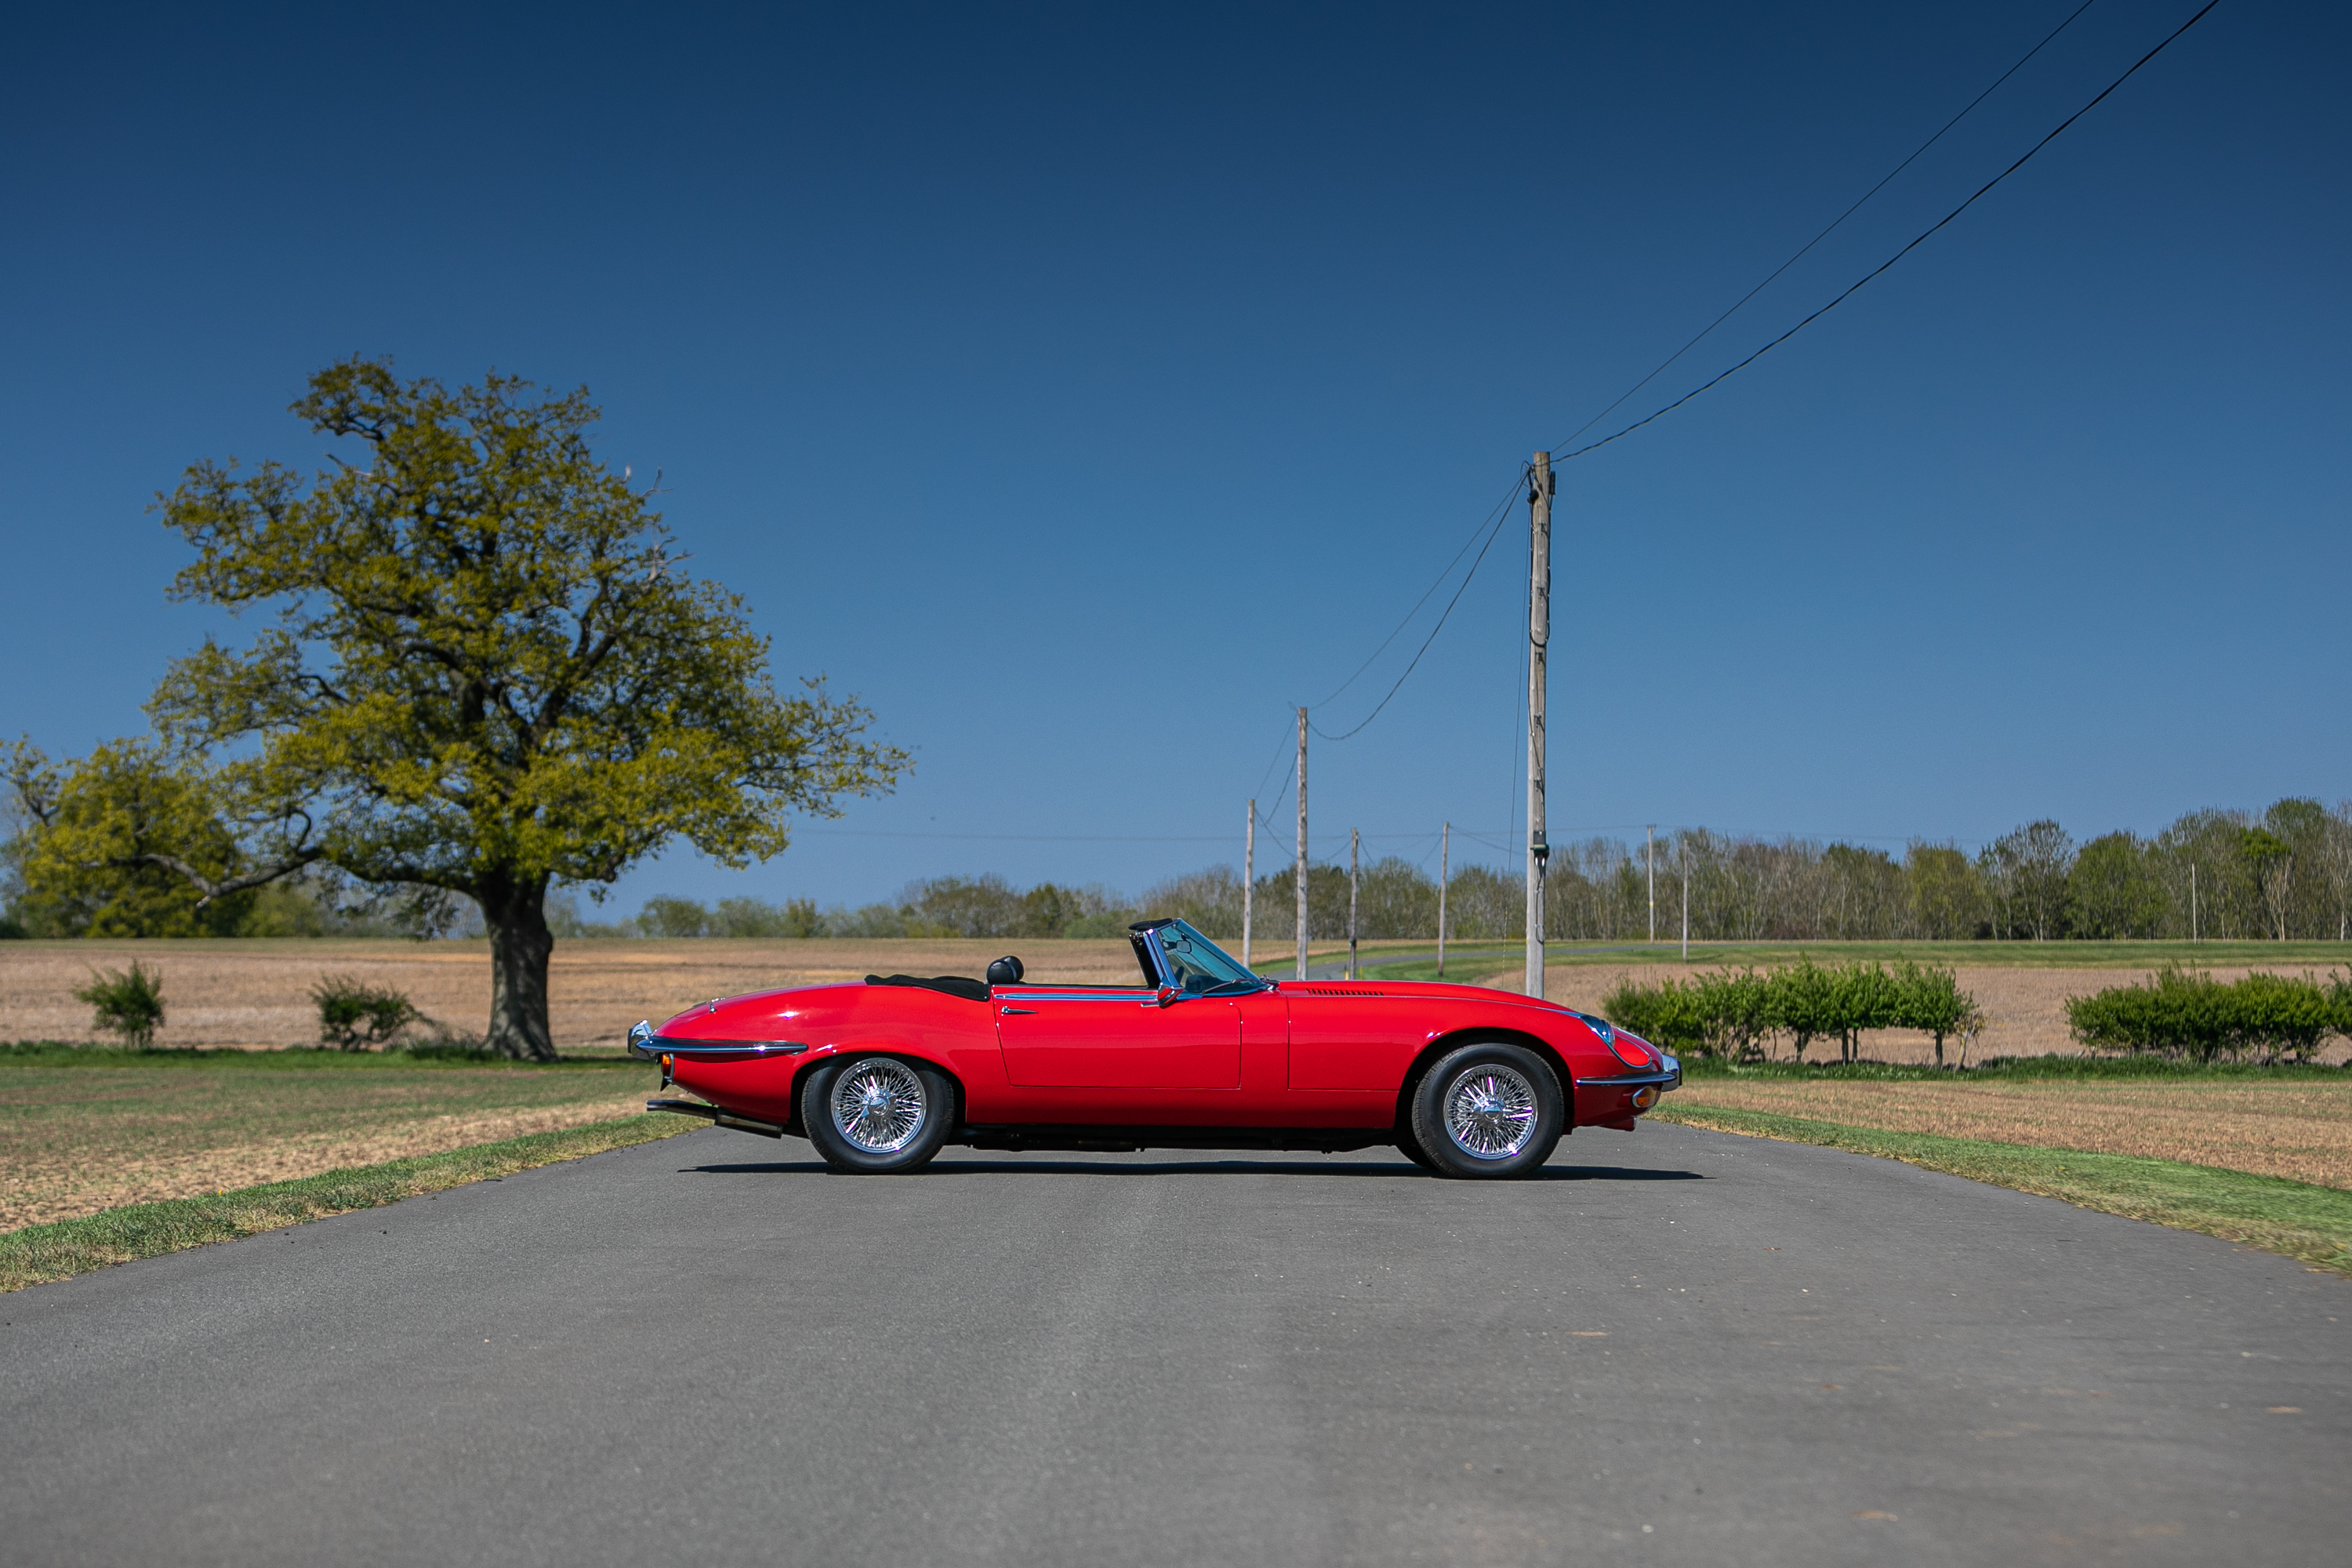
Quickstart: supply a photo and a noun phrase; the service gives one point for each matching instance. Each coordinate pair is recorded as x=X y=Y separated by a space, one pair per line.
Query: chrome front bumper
x=1662 y=1079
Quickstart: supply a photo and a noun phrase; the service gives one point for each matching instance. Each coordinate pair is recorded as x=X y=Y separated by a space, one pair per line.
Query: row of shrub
x=353 y=1014
x=1735 y=1014
x=2187 y=1014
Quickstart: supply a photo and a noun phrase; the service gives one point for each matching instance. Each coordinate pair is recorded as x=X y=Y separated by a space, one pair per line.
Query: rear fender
x=818 y=1058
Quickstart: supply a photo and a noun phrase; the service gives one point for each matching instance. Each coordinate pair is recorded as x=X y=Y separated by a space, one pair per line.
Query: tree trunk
x=515 y=911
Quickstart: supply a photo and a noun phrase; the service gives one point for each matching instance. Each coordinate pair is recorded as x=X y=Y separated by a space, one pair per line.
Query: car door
x=1121 y=1038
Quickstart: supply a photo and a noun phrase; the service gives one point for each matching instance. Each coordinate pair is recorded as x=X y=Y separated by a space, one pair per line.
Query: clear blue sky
x=1083 y=387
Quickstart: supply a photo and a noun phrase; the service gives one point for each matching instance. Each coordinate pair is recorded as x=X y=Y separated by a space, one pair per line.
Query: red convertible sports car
x=1202 y=1054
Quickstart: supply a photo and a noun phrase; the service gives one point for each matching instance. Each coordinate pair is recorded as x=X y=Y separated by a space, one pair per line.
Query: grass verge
x=1417 y=959
x=279 y=1059
x=41 y=1253
x=2018 y=1069
x=2309 y=1223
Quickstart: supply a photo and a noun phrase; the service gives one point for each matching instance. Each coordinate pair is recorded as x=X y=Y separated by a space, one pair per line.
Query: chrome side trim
x=1131 y=994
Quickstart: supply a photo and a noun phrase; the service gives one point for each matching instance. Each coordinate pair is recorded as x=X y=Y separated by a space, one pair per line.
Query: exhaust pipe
x=717 y=1117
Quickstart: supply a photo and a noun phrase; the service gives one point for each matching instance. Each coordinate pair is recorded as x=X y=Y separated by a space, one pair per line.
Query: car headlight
x=1634 y=1051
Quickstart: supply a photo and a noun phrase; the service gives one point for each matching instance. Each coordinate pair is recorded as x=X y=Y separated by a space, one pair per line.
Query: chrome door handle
x=1023 y=1012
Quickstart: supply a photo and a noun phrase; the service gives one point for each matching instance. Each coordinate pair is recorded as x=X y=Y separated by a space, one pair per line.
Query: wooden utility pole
x=1352 y=838
x=1301 y=874
x=1539 y=492
x=1444 y=850
x=1649 y=860
x=1249 y=879
x=1682 y=853
x=2193 y=900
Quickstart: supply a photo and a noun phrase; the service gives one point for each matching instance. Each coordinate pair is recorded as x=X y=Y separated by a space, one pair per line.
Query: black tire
x=1410 y=1147
x=875 y=1115
x=1510 y=1112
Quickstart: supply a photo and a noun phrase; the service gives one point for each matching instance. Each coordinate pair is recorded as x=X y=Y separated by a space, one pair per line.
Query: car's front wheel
x=1489 y=1109
x=875 y=1115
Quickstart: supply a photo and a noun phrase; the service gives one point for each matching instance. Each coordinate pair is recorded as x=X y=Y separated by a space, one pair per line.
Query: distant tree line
x=2286 y=874
x=2283 y=874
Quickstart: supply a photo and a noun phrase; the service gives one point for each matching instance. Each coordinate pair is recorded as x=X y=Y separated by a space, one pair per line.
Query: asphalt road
x=1679 y=1347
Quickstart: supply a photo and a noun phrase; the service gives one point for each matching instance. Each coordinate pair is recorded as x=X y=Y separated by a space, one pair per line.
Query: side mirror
x=1169 y=995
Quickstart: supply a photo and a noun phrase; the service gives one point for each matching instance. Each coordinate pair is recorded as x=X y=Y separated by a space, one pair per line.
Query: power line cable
x=1502 y=517
x=1834 y=224
x=1432 y=588
x=1269 y=768
x=1899 y=255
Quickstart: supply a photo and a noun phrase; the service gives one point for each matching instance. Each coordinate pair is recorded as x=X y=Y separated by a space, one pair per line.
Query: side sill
x=1117 y=1139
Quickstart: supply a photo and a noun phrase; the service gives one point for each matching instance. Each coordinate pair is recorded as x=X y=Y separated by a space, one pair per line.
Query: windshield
x=1194 y=964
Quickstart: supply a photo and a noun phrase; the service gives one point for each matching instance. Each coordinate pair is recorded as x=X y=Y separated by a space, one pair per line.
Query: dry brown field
x=256 y=995
x=2301 y=1131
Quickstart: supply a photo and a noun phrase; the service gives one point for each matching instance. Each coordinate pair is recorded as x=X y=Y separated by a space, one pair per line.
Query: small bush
x=128 y=1003
x=354 y=1016
x=2184 y=1013
x=437 y=1043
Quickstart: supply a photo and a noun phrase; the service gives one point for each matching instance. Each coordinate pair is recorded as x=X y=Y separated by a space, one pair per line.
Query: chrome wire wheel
x=878 y=1106
x=1490 y=1111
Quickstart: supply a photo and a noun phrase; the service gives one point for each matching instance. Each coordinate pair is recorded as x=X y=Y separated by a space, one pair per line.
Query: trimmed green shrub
x=2188 y=1014
x=127 y=1002
x=1665 y=1014
x=1802 y=1002
x=1931 y=1001
x=355 y=1016
x=1731 y=1014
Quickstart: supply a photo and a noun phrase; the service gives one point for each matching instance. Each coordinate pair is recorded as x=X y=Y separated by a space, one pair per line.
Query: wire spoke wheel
x=879 y=1107
x=1491 y=1112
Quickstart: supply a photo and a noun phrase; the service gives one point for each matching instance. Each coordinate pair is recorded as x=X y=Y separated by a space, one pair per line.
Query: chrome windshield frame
x=1142 y=933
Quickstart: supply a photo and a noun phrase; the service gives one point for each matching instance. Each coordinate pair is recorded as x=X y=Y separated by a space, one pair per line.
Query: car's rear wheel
x=1489 y=1109
x=875 y=1115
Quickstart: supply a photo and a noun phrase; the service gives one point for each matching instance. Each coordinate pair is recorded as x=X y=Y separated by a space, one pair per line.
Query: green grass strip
x=2141 y=1069
x=41 y=1253
x=291 y=1058
x=2313 y=1224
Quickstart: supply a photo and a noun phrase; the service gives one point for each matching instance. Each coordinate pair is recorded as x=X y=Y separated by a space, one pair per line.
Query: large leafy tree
x=485 y=669
x=112 y=845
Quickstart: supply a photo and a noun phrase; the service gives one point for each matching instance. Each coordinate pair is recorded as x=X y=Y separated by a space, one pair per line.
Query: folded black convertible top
x=953 y=985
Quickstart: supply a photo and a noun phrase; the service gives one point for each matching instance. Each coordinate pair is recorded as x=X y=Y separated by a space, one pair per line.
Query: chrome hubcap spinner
x=878 y=1106
x=1490 y=1112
